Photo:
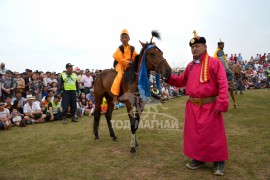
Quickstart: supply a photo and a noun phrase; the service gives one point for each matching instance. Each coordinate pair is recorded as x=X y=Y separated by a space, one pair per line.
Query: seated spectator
x=165 y=92
x=20 y=84
x=104 y=106
x=82 y=102
x=8 y=85
x=54 y=87
x=17 y=105
x=5 y=122
x=36 y=87
x=155 y=92
x=18 y=97
x=90 y=95
x=50 y=93
x=32 y=111
x=17 y=118
x=54 y=111
x=44 y=104
x=8 y=103
x=44 y=91
x=90 y=108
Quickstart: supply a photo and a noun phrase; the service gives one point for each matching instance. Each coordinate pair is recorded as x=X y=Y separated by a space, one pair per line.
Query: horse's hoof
x=133 y=150
x=115 y=139
x=96 y=138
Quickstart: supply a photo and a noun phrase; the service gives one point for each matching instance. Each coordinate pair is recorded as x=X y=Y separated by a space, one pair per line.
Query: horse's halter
x=157 y=70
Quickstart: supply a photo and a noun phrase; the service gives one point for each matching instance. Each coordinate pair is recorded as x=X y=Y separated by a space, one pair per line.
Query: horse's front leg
x=134 y=123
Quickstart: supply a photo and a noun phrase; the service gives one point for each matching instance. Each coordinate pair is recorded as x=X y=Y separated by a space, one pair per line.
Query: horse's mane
x=131 y=72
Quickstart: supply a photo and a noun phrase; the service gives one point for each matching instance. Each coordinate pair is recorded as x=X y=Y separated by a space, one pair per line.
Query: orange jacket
x=123 y=58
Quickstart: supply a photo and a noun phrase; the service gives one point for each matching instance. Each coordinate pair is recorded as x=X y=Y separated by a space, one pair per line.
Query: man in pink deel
x=207 y=86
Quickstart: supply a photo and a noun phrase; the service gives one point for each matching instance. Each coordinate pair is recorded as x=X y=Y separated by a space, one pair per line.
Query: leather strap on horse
x=121 y=47
x=202 y=101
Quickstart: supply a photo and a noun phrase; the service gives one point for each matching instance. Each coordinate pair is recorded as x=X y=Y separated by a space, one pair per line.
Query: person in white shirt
x=5 y=117
x=32 y=111
x=87 y=81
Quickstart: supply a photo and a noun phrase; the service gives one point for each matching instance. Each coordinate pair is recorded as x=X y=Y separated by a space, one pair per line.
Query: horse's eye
x=152 y=54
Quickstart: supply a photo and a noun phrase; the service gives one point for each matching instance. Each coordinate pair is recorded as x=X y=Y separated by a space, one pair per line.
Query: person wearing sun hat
x=123 y=56
x=219 y=54
x=206 y=84
x=5 y=117
x=68 y=86
x=32 y=111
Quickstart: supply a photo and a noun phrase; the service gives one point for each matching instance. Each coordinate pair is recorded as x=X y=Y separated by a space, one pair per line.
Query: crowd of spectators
x=255 y=72
x=31 y=97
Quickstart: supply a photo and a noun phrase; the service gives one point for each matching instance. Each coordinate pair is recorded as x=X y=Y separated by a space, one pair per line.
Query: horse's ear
x=143 y=44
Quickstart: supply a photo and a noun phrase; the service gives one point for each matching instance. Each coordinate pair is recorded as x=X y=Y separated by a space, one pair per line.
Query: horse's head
x=154 y=57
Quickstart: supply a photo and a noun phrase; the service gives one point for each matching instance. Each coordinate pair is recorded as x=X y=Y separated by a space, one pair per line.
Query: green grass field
x=57 y=151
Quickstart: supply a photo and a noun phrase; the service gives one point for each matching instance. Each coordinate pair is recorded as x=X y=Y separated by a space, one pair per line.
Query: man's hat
x=197 y=39
x=69 y=65
x=220 y=42
x=124 y=31
x=30 y=97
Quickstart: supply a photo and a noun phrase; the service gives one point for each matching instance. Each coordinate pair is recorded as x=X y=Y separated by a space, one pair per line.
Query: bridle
x=157 y=70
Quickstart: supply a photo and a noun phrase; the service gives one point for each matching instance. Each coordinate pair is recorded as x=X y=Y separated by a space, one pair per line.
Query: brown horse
x=154 y=61
x=236 y=72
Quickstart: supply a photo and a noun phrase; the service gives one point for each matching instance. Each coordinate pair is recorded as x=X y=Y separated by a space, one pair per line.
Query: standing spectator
x=35 y=87
x=239 y=59
x=268 y=77
x=27 y=81
x=3 y=69
x=262 y=59
x=251 y=59
x=20 y=84
x=8 y=85
x=47 y=79
x=257 y=58
x=32 y=111
x=5 y=117
x=231 y=58
x=268 y=57
x=80 y=77
x=69 y=87
x=235 y=59
x=87 y=81
x=238 y=85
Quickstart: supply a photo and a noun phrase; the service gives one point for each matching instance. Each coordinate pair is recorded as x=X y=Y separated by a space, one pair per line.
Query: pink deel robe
x=204 y=131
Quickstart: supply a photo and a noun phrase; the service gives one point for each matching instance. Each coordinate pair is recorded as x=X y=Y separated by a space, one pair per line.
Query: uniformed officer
x=68 y=86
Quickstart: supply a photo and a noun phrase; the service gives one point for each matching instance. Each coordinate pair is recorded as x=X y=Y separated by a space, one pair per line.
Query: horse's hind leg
x=108 y=116
x=97 y=116
x=231 y=86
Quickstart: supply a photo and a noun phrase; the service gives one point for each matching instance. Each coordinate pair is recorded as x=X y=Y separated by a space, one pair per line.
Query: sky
x=45 y=35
